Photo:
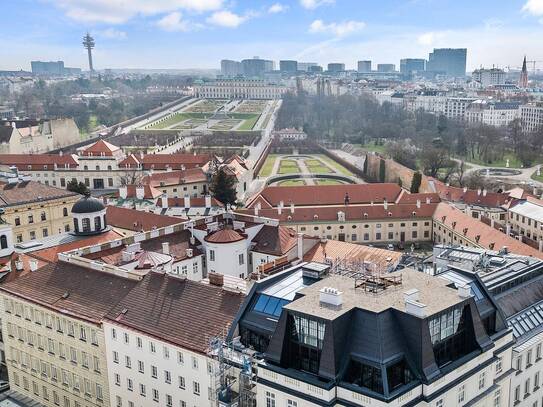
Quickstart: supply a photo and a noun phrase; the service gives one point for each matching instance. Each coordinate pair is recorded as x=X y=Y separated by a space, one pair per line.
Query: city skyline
x=187 y=34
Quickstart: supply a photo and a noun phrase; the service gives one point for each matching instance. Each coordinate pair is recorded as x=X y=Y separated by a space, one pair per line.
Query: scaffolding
x=234 y=376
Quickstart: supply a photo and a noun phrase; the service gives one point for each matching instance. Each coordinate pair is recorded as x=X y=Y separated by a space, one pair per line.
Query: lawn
x=267 y=168
x=288 y=167
x=514 y=162
x=371 y=146
x=249 y=123
x=317 y=167
x=337 y=166
x=291 y=183
x=536 y=177
x=328 y=182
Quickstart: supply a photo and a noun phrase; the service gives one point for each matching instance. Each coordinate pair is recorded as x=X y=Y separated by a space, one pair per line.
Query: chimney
x=484 y=192
x=418 y=203
x=14 y=125
x=385 y=204
x=279 y=208
x=208 y=201
x=415 y=308
x=168 y=169
x=60 y=153
x=428 y=200
x=216 y=279
x=165 y=247
x=292 y=207
x=140 y=192
x=479 y=192
x=508 y=229
x=186 y=202
x=331 y=297
x=164 y=201
x=189 y=252
x=123 y=192
x=465 y=189
x=464 y=291
x=256 y=210
x=412 y=295
x=33 y=265
x=300 y=246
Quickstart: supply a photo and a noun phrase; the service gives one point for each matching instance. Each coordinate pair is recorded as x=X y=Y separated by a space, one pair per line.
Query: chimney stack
x=208 y=201
x=300 y=246
x=418 y=203
x=123 y=191
x=164 y=201
x=165 y=247
x=385 y=204
x=33 y=265
x=292 y=207
x=331 y=296
x=484 y=192
x=216 y=279
x=464 y=291
x=186 y=202
x=140 y=192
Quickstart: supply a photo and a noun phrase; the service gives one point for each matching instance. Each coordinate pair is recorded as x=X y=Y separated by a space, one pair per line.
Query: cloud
x=427 y=39
x=227 y=19
x=277 y=8
x=112 y=33
x=173 y=22
x=120 y=11
x=313 y=4
x=533 y=7
x=338 y=29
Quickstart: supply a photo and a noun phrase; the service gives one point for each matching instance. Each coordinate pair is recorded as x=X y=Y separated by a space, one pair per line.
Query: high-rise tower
x=88 y=44
x=523 y=80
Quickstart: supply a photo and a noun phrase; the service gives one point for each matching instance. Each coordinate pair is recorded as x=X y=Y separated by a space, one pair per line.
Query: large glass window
x=306 y=341
x=86 y=224
x=365 y=375
x=448 y=333
x=398 y=374
x=255 y=340
x=269 y=305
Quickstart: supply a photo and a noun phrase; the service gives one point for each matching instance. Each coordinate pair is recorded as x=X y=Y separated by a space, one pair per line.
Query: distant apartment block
x=409 y=66
x=55 y=68
x=231 y=68
x=255 y=67
x=305 y=66
x=531 y=116
x=336 y=67
x=288 y=66
x=489 y=77
x=386 y=67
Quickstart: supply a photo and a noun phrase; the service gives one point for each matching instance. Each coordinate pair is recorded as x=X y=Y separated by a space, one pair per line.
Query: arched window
x=85 y=167
x=3 y=242
x=97 y=168
x=86 y=225
x=64 y=211
x=97 y=223
x=43 y=217
x=76 y=225
x=109 y=167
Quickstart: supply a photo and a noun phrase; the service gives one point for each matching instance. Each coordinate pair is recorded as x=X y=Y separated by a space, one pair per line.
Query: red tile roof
x=276 y=241
x=174 y=161
x=334 y=249
x=194 y=202
x=137 y=221
x=407 y=198
x=480 y=233
x=177 y=310
x=100 y=148
x=131 y=162
x=470 y=196
x=313 y=195
x=38 y=162
x=30 y=191
x=149 y=192
x=71 y=290
x=160 y=179
x=352 y=213
x=224 y=236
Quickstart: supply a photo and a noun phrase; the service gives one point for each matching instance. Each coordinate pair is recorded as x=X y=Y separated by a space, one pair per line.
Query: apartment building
x=525 y=218
x=492 y=113
x=35 y=210
x=310 y=325
x=455 y=107
x=239 y=89
x=531 y=116
x=54 y=341
x=159 y=357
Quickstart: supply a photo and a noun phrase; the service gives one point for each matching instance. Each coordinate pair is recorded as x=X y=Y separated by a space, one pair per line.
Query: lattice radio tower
x=88 y=44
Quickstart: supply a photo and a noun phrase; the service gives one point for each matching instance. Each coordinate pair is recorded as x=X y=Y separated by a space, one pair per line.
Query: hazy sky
x=199 y=33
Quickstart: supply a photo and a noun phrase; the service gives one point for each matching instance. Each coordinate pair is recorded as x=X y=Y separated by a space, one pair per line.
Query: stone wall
x=392 y=172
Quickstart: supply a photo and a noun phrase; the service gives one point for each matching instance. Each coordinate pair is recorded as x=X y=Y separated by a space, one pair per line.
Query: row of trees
x=419 y=140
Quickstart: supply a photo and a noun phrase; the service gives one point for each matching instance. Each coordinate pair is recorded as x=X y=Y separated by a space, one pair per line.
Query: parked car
x=390 y=246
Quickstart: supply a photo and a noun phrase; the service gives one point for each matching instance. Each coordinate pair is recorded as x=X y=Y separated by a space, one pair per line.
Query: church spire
x=523 y=80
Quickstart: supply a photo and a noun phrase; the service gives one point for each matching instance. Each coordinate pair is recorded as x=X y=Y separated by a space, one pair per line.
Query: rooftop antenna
x=88 y=44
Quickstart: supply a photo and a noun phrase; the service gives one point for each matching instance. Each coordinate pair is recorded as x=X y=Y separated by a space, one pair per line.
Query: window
x=155 y=395
x=64 y=212
x=152 y=347
x=538 y=352
x=482 y=377
x=117 y=379
x=519 y=363
x=166 y=352
x=181 y=382
x=126 y=338
x=30 y=218
x=270 y=399
x=211 y=255
x=241 y=259
x=141 y=367
x=142 y=390
x=113 y=333
x=194 y=362
x=115 y=356
x=119 y=401
x=196 y=388
x=292 y=403
x=43 y=217
x=439 y=403
x=169 y=402
x=499 y=365
x=129 y=384
x=528 y=359
x=17 y=221
x=167 y=377
x=527 y=388
x=86 y=225
x=536 y=381
x=139 y=342
x=517 y=395
x=461 y=394
x=154 y=372
x=128 y=362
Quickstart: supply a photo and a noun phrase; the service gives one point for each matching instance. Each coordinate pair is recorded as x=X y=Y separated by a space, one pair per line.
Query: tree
x=80 y=188
x=433 y=159
x=415 y=182
x=223 y=187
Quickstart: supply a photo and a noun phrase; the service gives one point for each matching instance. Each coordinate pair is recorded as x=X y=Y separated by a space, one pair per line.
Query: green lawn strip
x=536 y=177
x=267 y=168
x=288 y=167
x=371 y=146
x=328 y=182
x=514 y=162
x=291 y=183
x=337 y=166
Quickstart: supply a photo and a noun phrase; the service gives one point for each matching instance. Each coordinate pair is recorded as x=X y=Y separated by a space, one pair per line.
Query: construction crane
x=533 y=64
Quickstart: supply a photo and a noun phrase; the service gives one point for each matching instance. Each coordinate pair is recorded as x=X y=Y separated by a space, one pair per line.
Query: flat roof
x=433 y=292
x=529 y=210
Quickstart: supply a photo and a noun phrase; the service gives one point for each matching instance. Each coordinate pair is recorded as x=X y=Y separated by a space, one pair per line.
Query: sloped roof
x=137 y=221
x=101 y=147
x=174 y=161
x=224 y=236
x=313 y=195
x=275 y=240
x=470 y=196
x=72 y=290
x=179 y=311
x=38 y=161
x=30 y=191
x=187 y=176
x=149 y=192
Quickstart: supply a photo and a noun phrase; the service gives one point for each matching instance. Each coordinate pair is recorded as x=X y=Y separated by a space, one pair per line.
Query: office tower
x=304 y=66
x=315 y=69
x=336 y=67
x=231 y=68
x=364 y=66
x=288 y=66
x=409 y=66
x=386 y=67
x=47 y=68
x=256 y=67
x=448 y=61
